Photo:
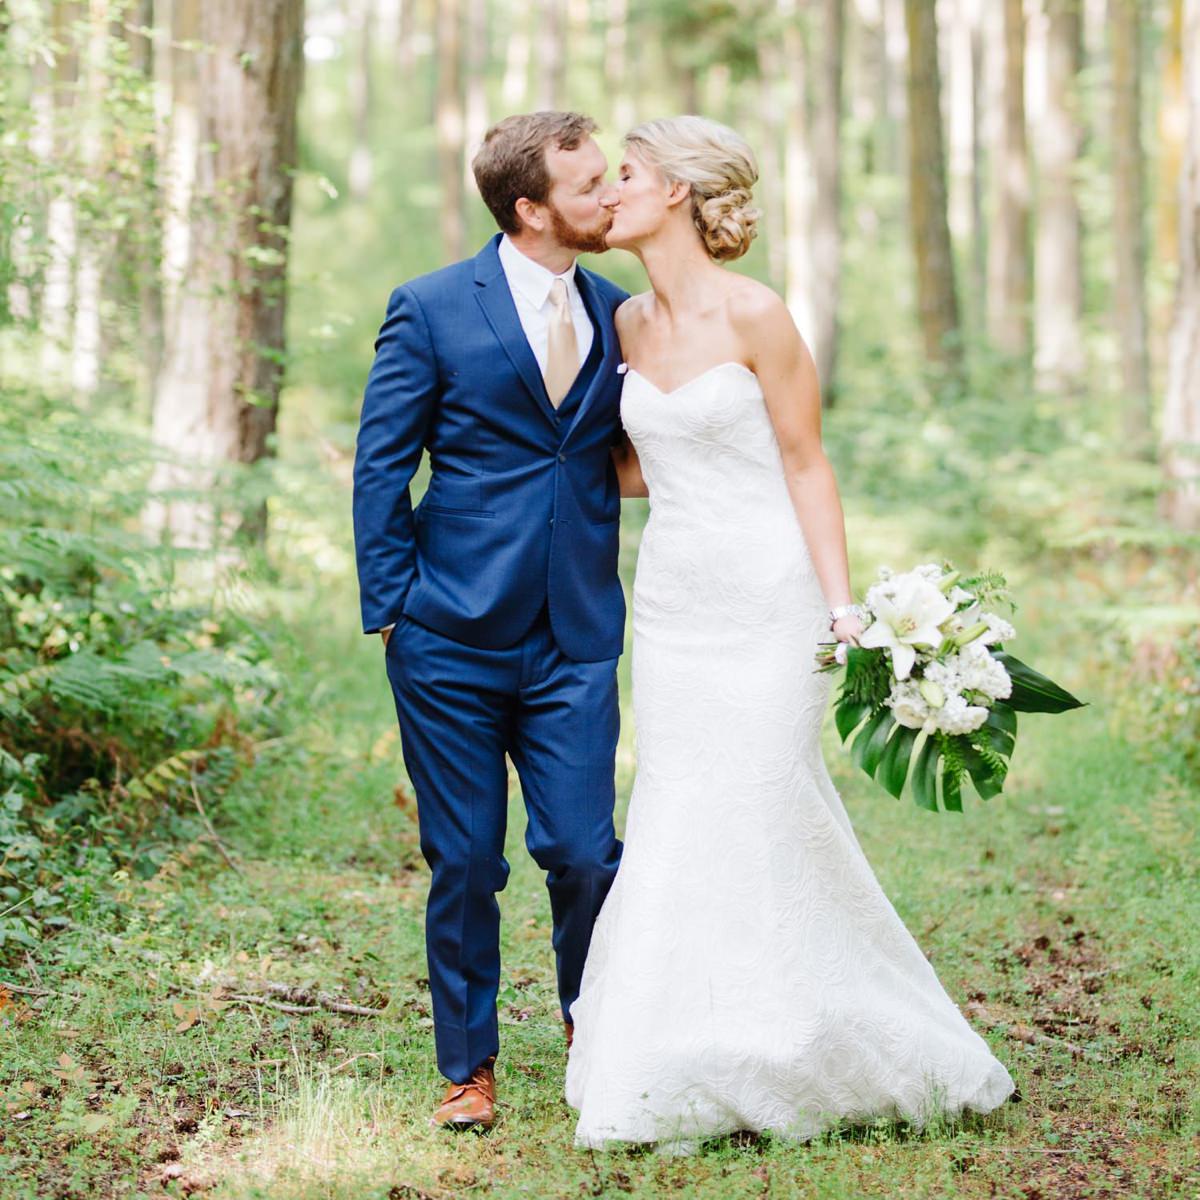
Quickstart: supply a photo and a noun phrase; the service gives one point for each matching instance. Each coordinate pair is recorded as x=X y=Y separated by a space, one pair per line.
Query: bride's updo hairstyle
x=718 y=166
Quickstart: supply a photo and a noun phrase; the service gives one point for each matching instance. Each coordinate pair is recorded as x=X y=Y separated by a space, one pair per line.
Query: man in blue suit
x=497 y=597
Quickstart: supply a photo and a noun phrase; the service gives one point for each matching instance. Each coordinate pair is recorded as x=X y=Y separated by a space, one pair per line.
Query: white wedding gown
x=746 y=970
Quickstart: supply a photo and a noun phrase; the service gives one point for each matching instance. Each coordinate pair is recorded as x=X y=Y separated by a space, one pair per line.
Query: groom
x=497 y=597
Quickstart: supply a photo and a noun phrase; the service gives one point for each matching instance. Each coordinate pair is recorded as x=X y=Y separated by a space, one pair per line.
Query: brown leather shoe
x=570 y=1028
x=469 y=1105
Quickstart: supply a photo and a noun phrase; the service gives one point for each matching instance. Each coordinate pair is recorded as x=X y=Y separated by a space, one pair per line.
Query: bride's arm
x=625 y=458
x=788 y=377
x=629 y=469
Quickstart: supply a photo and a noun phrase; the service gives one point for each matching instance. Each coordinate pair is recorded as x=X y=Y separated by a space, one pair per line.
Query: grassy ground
x=1060 y=916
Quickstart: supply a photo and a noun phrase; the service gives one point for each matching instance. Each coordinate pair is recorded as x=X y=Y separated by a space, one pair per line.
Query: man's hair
x=511 y=163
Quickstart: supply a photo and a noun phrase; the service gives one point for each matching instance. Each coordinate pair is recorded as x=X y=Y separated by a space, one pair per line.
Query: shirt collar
x=530 y=278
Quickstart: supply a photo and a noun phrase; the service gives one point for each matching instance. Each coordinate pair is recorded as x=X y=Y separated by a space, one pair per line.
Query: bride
x=746 y=972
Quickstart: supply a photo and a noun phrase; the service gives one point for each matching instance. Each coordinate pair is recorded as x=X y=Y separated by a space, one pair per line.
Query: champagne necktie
x=562 y=352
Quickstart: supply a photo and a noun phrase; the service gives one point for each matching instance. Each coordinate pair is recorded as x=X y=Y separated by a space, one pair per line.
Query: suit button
x=551 y=520
x=562 y=458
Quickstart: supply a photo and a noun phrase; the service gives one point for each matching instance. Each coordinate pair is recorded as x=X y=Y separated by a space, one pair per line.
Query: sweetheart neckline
x=695 y=378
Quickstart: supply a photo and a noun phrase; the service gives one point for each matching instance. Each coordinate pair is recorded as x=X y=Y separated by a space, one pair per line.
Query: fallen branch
x=353 y=1058
x=275 y=1004
x=323 y=1000
x=1029 y=1035
x=17 y=990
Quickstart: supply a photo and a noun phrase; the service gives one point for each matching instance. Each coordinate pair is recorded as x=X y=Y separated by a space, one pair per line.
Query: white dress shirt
x=530 y=284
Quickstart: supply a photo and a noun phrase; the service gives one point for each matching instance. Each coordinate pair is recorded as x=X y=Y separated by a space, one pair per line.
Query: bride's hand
x=848 y=629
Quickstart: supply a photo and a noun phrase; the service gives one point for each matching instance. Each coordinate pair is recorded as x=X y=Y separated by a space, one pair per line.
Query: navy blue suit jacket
x=522 y=506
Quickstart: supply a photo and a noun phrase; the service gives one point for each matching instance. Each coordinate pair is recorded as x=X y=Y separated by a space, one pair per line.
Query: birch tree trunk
x=1172 y=130
x=617 y=76
x=826 y=225
x=1058 y=295
x=518 y=52
x=551 y=66
x=476 y=119
x=799 y=173
x=1008 y=258
x=450 y=133
x=91 y=249
x=61 y=234
x=1129 y=238
x=233 y=151
x=1181 y=412
x=361 y=22
x=770 y=109
x=937 y=298
x=966 y=157
x=144 y=245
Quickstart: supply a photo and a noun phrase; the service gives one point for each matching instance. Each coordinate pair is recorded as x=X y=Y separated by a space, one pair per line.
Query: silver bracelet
x=847 y=610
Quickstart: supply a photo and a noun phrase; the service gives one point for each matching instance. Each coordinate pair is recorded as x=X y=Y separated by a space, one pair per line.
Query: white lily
x=906 y=618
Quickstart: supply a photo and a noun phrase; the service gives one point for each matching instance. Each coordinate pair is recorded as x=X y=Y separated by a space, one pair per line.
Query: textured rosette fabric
x=747 y=970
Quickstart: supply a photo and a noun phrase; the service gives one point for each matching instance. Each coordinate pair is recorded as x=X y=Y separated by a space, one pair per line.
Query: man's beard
x=573 y=237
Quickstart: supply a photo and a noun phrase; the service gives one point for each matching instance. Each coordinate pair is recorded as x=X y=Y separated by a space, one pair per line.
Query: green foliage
x=124 y=702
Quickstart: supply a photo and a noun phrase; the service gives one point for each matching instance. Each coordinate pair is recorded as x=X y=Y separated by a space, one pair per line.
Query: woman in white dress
x=747 y=972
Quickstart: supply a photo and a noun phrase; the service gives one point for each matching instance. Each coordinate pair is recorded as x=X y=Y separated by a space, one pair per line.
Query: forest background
x=985 y=217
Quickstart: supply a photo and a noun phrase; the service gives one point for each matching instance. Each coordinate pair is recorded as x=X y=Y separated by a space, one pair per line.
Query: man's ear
x=529 y=214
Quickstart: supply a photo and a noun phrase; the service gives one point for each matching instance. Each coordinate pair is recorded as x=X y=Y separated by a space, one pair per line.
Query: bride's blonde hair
x=719 y=167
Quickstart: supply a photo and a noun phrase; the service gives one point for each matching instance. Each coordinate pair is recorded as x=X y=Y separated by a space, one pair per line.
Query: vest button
x=562 y=458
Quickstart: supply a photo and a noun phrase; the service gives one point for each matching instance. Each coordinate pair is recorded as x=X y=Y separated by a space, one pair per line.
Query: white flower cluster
x=944 y=675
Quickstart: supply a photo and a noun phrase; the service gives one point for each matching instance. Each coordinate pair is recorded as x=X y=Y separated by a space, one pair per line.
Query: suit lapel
x=495 y=298
x=605 y=331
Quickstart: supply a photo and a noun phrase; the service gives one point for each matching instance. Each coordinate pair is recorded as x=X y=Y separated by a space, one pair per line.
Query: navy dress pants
x=461 y=710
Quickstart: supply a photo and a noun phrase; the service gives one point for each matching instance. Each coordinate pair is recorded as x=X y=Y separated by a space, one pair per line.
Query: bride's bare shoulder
x=631 y=312
x=748 y=302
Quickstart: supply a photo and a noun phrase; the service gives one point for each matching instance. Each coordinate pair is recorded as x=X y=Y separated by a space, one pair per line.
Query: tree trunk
x=233 y=144
x=799 y=174
x=1008 y=259
x=1172 y=129
x=145 y=245
x=449 y=123
x=1181 y=412
x=518 y=52
x=93 y=246
x=827 y=226
x=551 y=66
x=937 y=299
x=616 y=64
x=1058 y=296
x=966 y=146
x=61 y=232
x=1129 y=239
x=361 y=97
x=868 y=70
x=769 y=111
x=477 y=67
x=406 y=30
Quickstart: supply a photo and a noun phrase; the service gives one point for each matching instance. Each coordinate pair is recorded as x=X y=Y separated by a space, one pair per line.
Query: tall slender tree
x=1125 y=18
x=965 y=53
x=1009 y=272
x=1181 y=413
x=476 y=109
x=450 y=129
x=827 y=223
x=1058 y=295
x=937 y=296
x=361 y=96
x=550 y=71
x=233 y=154
x=61 y=216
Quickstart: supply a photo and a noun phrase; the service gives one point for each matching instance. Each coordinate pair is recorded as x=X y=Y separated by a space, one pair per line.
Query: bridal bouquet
x=930 y=661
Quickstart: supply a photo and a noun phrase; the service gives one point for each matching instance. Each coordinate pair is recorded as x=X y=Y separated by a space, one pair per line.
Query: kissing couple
x=736 y=965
